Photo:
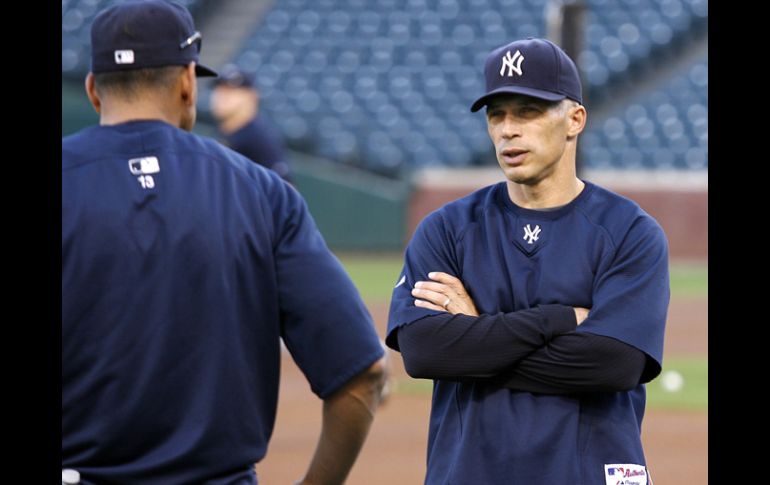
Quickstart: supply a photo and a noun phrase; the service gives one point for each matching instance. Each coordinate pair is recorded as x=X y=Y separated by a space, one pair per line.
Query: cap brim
x=221 y=80
x=535 y=93
x=203 y=71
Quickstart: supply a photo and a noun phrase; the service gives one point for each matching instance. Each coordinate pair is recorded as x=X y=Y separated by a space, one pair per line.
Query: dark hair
x=129 y=84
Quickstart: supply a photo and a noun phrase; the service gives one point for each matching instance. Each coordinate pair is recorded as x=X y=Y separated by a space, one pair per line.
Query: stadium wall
x=76 y=111
x=679 y=202
x=354 y=209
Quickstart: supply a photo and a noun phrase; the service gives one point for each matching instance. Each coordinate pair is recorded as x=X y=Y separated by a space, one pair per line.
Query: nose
x=510 y=127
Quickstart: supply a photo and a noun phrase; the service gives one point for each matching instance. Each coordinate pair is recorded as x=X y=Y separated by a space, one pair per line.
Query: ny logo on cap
x=508 y=61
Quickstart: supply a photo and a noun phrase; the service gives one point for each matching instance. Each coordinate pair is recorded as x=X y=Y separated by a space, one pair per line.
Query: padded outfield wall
x=677 y=200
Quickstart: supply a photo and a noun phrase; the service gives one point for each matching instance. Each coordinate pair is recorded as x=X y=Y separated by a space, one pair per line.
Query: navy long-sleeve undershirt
x=531 y=350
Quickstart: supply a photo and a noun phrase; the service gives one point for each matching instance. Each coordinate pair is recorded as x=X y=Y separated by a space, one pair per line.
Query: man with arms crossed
x=537 y=305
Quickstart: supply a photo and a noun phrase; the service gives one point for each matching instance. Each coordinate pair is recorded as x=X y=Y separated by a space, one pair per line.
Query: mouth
x=513 y=156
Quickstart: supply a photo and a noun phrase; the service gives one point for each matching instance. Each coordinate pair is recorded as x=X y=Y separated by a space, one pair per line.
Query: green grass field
x=374 y=275
x=689 y=279
x=693 y=395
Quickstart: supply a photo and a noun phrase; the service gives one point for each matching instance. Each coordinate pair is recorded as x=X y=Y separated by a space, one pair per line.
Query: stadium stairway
x=622 y=94
x=225 y=27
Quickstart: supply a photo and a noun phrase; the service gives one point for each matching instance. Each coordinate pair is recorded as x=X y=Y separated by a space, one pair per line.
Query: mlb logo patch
x=144 y=165
x=124 y=56
x=625 y=474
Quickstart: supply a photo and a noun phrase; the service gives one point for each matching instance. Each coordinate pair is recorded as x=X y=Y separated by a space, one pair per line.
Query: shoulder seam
x=604 y=229
x=483 y=212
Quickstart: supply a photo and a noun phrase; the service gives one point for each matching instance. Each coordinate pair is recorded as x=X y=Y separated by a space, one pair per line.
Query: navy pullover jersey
x=182 y=264
x=601 y=252
x=258 y=141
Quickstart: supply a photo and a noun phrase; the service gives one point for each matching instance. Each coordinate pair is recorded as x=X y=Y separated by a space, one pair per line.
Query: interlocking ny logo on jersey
x=508 y=61
x=531 y=235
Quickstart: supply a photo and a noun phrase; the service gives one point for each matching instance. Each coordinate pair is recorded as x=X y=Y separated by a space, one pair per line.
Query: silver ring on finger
x=446 y=303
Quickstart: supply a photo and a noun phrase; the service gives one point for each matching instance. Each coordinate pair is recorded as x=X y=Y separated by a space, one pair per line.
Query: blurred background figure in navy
x=235 y=105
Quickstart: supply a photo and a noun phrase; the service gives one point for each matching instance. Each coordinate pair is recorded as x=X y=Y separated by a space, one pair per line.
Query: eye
x=494 y=113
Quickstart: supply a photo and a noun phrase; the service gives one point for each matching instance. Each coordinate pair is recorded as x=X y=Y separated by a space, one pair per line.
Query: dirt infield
x=676 y=442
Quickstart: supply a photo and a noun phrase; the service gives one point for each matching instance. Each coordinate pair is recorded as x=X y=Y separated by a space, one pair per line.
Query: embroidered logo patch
x=531 y=235
x=513 y=63
x=143 y=167
x=125 y=56
x=625 y=474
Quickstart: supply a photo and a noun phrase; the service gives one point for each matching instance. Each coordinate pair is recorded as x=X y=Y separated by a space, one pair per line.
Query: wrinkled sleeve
x=324 y=322
x=631 y=297
x=432 y=248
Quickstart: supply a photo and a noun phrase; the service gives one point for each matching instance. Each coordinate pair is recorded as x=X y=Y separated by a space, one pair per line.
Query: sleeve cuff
x=559 y=319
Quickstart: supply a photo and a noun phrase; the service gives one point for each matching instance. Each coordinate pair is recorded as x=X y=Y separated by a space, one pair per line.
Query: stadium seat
x=387 y=85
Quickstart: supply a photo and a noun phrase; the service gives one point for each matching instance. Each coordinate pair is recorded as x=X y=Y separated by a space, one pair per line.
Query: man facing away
x=538 y=304
x=183 y=265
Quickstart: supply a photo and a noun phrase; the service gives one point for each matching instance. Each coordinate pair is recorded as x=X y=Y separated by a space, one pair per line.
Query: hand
x=580 y=314
x=444 y=293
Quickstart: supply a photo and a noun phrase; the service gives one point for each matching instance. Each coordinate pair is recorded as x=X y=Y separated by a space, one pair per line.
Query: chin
x=517 y=175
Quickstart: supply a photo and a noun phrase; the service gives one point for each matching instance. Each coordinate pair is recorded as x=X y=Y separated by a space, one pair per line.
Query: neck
x=237 y=120
x=553 y=191
x=545 y=194
x=119 y=111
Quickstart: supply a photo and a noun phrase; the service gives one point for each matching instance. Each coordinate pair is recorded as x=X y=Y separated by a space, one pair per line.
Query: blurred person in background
x=235 y=105
x=184 y=264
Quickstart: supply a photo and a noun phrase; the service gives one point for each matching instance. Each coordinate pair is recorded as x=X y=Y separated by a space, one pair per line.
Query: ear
x=576 y=118
x=93 y=96
x=189 y=86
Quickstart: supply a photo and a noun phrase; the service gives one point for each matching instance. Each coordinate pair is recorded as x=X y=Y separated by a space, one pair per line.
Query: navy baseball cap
x=233 y=76
x=533 y=67
x=146 y=33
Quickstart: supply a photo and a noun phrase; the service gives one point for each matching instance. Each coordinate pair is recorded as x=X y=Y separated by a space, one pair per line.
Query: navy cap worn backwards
x=533 y=67
x=146 y=33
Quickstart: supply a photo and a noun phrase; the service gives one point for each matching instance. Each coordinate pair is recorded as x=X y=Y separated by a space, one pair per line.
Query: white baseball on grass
x=672 y=381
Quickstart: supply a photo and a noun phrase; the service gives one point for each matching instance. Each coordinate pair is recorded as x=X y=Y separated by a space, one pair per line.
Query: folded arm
x=539 y=347
x=447 y=346
x=578 y=362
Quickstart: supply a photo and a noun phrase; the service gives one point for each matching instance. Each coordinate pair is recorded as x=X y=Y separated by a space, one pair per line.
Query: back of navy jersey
x=601 y=252
x=182 y=265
